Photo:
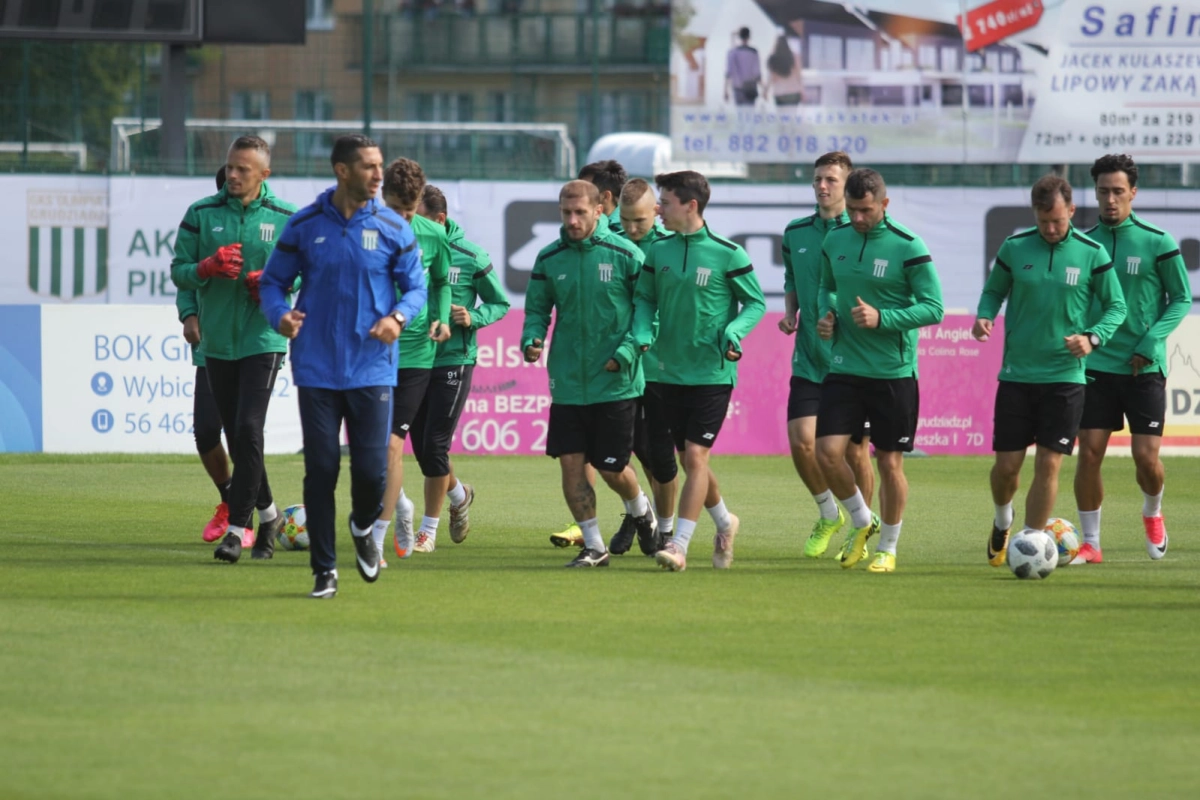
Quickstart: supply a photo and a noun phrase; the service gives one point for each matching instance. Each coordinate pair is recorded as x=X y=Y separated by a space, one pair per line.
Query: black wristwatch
x=1093 y=338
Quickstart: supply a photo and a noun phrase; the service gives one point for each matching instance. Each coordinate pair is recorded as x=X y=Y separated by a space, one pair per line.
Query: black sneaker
x=230 y=548
x=622 y=540
x=647 y=533
x=264 y=538
x=325 y=587
x=590 y=558
x=366 y=555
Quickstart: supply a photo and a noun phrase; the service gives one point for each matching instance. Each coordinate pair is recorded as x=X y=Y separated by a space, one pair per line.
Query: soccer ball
x=1065 y=536
x=1032 y=555
x=294 y=533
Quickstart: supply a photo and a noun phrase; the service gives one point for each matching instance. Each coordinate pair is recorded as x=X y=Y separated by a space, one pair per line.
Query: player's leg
x=410 y=390
x=663 y=465
x=447 y=397
x=368 y=423
x=321 y=414
x=1146 y=408
x=841 y=414
x=894 y=409
x=567 y=441
x=858 y=456
x=206 y=427
x=1103 y=413
x=223 y=377
x=256 y=383
x=804 y=398
x=610 y=443
x=418 y=438
x=1043 y=491
x=1014 y=426
x=1058 y=411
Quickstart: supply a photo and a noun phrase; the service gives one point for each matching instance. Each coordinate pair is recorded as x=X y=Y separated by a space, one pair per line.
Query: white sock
x=638 y=506
x=888 y=536
x=683 y=533
x=1152 y=504
x=592 y=539
x=666 y=525
x=429 y=525
x=239 y=532
x=357 y=531
x=860 y=513
x=1004 y=516
x=827 y=505
x=1089 y=526
x=379 y=530
x=720 y=516
x=269 y=513
x=457 y=494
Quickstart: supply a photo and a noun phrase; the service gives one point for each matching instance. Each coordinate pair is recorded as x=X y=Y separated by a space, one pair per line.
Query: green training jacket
x=649 y=359
x=1050 y=289
x=890 y=268
x=802 y=242
x=589 y=286
x=231 y=323
x=702 y=291
x=471 y=277
x=417 y=350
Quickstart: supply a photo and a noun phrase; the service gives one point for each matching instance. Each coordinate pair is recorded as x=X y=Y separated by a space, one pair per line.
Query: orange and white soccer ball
x=1066 y=537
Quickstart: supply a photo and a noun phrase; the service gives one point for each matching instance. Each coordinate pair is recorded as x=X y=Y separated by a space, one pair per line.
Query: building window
x=249 y=105
x=825 y=52
x=618 y=111
x=860 y=55
x=950 y=59
x=313 y=106
x=320 y=15
x=441 y=107
x=927 y=57
x=1008 y=62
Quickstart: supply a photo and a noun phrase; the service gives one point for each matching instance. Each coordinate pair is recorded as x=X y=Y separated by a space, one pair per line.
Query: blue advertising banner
x=20 y=379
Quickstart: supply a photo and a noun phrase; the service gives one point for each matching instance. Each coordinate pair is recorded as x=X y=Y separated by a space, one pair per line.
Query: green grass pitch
x=134 y=666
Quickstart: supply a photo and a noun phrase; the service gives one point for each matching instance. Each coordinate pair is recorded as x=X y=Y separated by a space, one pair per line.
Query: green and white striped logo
x=68 y=243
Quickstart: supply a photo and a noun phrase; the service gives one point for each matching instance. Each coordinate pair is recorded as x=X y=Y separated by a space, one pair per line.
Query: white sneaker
x=723 y=544
x=425 y=542
x=402 y=535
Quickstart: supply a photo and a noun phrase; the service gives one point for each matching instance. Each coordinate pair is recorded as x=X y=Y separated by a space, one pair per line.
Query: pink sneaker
x=723 y=544
x=215 y=528
x=1156 y=536
x=672 y=557
x=1087 y=555
x=248 y=537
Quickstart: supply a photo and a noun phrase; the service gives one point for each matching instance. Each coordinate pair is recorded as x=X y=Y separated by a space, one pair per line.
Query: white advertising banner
x=119 y=379
x=951 y=81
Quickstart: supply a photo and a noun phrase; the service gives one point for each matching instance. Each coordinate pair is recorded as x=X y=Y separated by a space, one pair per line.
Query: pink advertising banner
x=509 y=405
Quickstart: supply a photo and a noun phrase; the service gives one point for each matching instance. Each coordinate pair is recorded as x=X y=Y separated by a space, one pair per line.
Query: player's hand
x=386 y=330
x=191 y=331
x=612 y=365
x=290 y=323
x=439 y=332
x=460 y=316
x=732 y=353
x=225 y=263
x=534 y=351
x=788 y=324
x=982 y=329
x=865 y=315
x=826 y=324
x=253 y=281
x=1139 y=363
x=1078 y=344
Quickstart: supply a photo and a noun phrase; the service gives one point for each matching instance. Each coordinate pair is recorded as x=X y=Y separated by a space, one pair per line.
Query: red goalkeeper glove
x=253 y=279
x=225 y=263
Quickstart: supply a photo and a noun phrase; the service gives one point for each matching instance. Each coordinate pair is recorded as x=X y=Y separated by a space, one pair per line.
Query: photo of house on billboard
x=786 y=80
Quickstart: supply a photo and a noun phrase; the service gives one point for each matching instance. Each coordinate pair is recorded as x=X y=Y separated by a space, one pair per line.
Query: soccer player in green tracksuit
x=802 y=242
x=878 y=287
x=1127 y=377
x=471 y=279
x=702 y=292
x=587 y=280
x=222 y=245
x=1051 y=276
x=609 y=177
x=403 y=182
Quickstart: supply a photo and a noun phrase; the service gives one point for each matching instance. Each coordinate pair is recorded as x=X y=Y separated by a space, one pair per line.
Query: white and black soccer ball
x=1032 y=555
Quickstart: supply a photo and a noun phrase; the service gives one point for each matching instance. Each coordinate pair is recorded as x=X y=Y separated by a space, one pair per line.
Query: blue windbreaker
x=350 y=270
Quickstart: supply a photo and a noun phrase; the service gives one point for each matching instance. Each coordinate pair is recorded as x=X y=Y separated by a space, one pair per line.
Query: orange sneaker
x=216 y=526
x=1156 y=536
x=1087 y=555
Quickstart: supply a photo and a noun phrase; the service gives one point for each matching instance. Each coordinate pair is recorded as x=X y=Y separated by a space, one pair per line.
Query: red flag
x=998 y=20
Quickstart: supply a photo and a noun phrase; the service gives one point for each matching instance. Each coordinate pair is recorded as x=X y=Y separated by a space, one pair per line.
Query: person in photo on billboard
x=361 y=281
x=1127 y=377
x=785 y=81
x=206 y=419
x=609 y=177
x=743 y=72
x=403 y=182
x=586 y=279
x=697 y=298
x=222 y=245
x=802 y=242
x=878 y=287
x=652 y=442
x=1063 y=301
x=472 y=279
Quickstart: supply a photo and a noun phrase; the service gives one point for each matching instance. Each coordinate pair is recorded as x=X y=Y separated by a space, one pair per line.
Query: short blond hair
x=634 y=190
x=580 y=188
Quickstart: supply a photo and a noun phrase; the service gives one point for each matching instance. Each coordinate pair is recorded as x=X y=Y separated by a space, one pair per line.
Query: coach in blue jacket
x=352 y=254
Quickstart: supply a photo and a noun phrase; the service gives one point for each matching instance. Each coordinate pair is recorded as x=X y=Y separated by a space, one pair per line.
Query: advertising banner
x=945 y=81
